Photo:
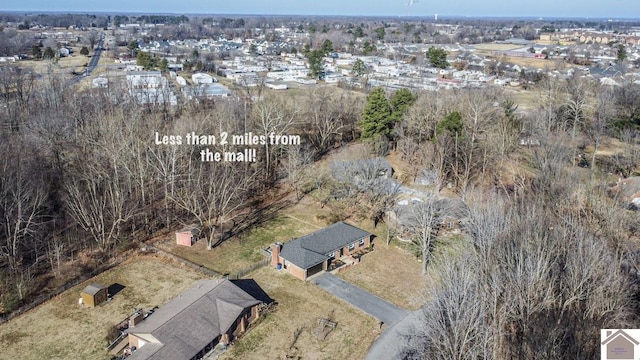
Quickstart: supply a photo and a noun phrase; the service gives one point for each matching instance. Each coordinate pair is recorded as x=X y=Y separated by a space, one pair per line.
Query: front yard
x=390 y=273
x=300 y=306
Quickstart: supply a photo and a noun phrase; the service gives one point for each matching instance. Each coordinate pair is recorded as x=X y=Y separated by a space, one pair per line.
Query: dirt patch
x=300 y=306
x=390 y=273
x=62 y=329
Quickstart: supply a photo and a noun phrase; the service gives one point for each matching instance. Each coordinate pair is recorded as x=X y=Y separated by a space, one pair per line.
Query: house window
x=352 y=246
x=361 y=243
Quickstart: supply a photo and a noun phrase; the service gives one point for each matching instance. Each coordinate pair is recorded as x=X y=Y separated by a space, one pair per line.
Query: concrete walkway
x=363 y=300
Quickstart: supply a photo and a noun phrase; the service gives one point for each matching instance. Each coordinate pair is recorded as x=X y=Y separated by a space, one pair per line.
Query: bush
x=9 y=302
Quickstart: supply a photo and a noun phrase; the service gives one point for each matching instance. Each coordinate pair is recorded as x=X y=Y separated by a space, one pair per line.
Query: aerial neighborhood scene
x=319 y=180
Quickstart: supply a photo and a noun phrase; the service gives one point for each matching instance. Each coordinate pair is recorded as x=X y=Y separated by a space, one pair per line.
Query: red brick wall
x=296 y=271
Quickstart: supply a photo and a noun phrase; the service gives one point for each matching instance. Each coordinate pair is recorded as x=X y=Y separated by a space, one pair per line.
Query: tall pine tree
x=376 y=116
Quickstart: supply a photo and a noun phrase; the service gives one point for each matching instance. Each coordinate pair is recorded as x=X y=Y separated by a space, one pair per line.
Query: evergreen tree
x=144 y=60
x=37 y=53
x=401 y=101
x=451 y=124
x=164 y=64
x=315 y=64
x=327 y=47
x=84 y=51
x=621 y=54
x=437 y=57
x=376 y=116
x=359 y=68
x=49 y=53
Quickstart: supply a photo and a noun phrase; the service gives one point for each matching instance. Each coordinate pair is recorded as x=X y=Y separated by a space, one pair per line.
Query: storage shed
x=185 y=238
x=94 y=295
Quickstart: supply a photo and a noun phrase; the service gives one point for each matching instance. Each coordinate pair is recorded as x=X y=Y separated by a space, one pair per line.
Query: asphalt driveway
x=363 y=300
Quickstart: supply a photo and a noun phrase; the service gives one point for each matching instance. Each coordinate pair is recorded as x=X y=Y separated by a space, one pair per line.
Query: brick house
x=191 y=324
x=313 y=253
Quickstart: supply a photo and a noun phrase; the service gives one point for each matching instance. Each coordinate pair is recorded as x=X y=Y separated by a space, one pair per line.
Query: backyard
x=243 y=249
x=62 y=329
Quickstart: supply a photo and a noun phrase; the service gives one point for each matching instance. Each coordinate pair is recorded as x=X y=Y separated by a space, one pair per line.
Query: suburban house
x=619 y=345
x=313 y=253
x=194 y=322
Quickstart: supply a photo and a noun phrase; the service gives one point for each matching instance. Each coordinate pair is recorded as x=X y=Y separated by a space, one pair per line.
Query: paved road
x=365 y=301
x=392 y=342
x=93 y=63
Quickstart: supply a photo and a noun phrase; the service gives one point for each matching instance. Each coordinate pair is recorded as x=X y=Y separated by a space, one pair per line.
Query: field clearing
x=64 y=65
x=526 y=100
x=62 y=329
x=300 y=305
x=380 y=274
x=496 y=47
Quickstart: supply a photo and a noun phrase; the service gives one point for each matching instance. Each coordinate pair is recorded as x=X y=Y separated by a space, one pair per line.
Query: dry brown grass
x=526 y=100
x=62 y=329
x=300 y=305
x=530 y=62
x=496 y=47
x=243 y=249
x=390 y=273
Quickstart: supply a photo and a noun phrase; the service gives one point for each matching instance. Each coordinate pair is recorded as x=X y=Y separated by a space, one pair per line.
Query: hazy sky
x=533 y=8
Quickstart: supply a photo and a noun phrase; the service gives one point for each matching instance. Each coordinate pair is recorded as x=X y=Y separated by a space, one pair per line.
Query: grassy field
x=496 y=47
x=62 y=329
x=300 y=305
x=379 y=273
x=243 y=249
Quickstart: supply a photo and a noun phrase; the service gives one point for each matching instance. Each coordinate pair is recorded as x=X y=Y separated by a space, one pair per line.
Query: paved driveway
x=363 y=300
x=393 y=341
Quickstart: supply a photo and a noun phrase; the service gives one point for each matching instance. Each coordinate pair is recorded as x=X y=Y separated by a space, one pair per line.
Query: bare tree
x=273 y=116
x=603 y=116
x=22 y=199
x=211 y=193
x=424 y=220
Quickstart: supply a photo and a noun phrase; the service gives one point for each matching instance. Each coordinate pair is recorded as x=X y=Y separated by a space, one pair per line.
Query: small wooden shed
x=185 y=238
x=94 y=295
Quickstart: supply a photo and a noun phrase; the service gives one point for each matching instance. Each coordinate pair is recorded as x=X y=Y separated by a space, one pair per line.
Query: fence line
x=251 y=268
x=39 y=300
x=184 y=261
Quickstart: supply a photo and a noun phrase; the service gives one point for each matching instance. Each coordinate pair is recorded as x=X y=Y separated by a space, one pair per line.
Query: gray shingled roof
x=187 y=323
x=93 y=289
x=310 y=250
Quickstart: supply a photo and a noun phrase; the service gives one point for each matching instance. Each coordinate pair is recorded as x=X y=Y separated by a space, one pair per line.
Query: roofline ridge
x=186 y=307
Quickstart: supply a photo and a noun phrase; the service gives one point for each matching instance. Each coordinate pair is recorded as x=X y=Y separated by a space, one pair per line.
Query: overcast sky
x=503 y=8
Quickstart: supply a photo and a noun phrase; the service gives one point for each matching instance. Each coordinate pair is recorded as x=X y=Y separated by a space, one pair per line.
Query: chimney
x=136 y=318
x=275 y=254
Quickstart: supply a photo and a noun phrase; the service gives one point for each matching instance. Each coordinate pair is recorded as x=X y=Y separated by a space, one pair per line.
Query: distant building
x=201 y=78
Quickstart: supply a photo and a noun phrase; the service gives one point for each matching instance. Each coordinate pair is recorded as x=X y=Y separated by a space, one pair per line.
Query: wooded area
x=551 y=257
